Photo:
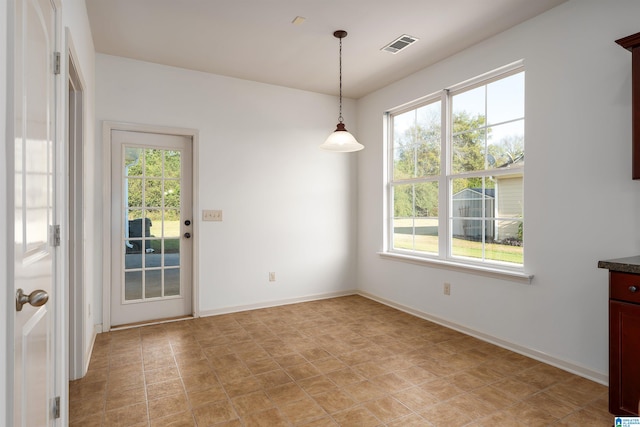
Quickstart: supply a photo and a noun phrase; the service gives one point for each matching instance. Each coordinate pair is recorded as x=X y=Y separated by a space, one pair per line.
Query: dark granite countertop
x=623 y=265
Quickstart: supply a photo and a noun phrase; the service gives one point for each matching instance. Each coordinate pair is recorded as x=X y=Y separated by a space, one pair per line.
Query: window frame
x=445 y=179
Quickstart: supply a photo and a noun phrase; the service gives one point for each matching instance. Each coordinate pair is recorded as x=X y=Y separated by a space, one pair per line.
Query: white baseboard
x=96 y=330
x=599 y=377
x=268 y=304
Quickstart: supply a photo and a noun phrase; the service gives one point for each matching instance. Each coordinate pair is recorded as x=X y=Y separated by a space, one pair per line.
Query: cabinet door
x=624 y=358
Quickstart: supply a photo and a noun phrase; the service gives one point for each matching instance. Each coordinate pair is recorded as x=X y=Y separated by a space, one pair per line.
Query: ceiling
x=256 y=39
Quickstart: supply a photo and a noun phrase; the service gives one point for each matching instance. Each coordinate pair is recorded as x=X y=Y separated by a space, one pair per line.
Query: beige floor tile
x=302 y=371
x=335 y=401
x=442 y=389
x=286 y=393
x=90 y=420
x=253 y=402
x=242 y=386
x=387 y=409
x=82 y=408
x=344 y=377
x=261 y=366
x=320 y=422
x=199 y=381
x=269 y=418
x=164 y=389
x=214 y=393
x=302 y=410
x=416 y=398
x=184 y=419
x=273 y=378
x=358 y=416
x=127 y=416
x=443 y=414
x=161 y=375
x=165 y=406
x=214 y=413
x=344 y=361
x=413 y=420
x=119 y=398
x=317 y=385
x=125 y=381
x=86 y=390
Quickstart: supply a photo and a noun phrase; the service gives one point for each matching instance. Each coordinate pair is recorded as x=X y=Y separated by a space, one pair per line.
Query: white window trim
x=444 y=258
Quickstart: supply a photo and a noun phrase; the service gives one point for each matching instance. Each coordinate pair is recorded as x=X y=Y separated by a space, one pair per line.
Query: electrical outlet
x=447 y=288
x=272 y=276
x=212 y=215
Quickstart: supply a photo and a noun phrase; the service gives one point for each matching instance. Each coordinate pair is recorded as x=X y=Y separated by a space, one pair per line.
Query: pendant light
x=341 y=140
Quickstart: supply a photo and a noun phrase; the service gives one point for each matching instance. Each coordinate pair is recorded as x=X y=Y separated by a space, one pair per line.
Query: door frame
x=107 y=127
x=75 y=137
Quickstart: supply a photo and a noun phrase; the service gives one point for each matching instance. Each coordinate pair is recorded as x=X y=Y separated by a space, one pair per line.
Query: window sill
x=495 y=272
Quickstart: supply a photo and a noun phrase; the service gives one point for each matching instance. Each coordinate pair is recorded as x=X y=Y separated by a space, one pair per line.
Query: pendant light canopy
x=341 y=140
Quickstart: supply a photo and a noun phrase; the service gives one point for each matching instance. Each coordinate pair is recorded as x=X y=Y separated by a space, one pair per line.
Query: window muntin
x=466 y=205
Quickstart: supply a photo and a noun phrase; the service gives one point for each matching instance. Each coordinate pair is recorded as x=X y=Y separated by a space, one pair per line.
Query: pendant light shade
x=341 y=140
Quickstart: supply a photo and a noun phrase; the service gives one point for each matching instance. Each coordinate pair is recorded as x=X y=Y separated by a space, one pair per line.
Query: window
x=456 y=171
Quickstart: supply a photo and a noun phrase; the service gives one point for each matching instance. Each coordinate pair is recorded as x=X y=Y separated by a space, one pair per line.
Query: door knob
x=35 y=298
x=187 y=222
x=187 y=235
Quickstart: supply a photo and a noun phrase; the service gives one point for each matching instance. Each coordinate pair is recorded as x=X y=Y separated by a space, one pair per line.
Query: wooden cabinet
x=632 y=43
x=624 y=343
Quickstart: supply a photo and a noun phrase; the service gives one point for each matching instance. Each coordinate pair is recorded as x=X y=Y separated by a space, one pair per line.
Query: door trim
x=75 y=138
x=107 y=127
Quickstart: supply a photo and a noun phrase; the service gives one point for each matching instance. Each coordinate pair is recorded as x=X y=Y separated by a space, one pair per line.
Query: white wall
x=581 y=204
x=288 y=207
x=75 y=19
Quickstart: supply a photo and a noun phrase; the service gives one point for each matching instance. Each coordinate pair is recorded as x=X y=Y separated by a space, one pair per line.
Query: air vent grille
x=400 y=43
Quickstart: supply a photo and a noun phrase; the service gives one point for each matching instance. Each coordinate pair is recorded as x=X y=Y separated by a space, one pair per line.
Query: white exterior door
x=34 y=214
x=152 y=226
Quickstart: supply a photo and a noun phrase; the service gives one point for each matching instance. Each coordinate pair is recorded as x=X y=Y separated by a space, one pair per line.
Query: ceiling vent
x=400 y=43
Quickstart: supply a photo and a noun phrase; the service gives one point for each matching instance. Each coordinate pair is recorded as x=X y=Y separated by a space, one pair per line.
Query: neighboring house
x=510 y=191
x=503 y=201
x=467 y=204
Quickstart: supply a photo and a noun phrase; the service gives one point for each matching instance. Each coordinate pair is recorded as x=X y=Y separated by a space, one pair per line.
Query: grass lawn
x=171 y=236
x=463 y=248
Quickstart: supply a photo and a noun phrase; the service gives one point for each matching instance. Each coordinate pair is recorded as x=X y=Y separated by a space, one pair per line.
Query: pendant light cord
x=340 y=118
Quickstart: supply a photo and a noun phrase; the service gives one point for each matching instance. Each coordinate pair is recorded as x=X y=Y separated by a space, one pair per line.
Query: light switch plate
x=211 y=215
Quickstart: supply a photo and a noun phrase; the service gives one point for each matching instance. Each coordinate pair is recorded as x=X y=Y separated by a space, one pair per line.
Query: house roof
x=475 y=193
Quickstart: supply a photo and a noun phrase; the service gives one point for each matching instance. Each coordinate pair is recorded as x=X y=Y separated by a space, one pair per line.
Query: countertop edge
x=622 y=265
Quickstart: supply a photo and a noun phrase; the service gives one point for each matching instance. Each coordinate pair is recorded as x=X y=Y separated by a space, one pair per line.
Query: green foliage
x=468 y=143
x=417 y=151
x=507 y=151
x=423 y=196
x=160 y=180
x=520 y=231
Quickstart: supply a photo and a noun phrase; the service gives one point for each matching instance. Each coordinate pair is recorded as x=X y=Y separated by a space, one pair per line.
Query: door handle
x=187 y=235
x=35 y=298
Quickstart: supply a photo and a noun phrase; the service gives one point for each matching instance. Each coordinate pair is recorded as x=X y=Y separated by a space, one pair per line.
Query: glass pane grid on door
x=151 y=241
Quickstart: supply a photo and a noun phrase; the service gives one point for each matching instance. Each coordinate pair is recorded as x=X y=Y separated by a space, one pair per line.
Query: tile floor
x=345 y=361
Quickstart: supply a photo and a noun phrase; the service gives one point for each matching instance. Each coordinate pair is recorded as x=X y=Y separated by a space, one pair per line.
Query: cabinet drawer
x=624 y=287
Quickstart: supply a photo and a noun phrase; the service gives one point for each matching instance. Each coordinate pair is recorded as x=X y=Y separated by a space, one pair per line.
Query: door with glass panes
x=152 y=226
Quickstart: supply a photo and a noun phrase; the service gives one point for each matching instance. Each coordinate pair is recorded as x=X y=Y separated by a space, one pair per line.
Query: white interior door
x=34 y=213
x=152 y=224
